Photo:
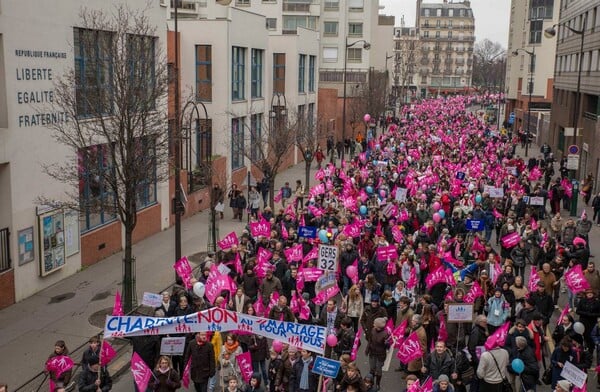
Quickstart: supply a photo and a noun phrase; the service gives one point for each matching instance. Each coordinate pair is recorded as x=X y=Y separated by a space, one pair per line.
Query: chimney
x=418 y=19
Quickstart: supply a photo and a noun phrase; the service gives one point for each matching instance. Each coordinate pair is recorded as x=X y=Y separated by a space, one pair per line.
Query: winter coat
x=165 y=382
x=416 y=364
x=258 y=347
x=530 y=375
x=498 y=311
x=378 y=344
x=313 y=378
x=439 y=364
x=368 y=317
x=477 y=338
x=559 y=355
x=87 y=380
x=203 y=365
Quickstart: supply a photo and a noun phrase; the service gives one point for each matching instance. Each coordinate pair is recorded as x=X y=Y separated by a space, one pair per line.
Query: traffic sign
x=573 y=149
x=328 y=258
x=326 y=367
x=572 y=162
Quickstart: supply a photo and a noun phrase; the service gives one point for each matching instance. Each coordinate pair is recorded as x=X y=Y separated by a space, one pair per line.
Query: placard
x=536 y=200
x=328 y=257
x=495 y=193
x=26 y=251
x=475 y=225
x=573 y=374
x=401 y=195
x=172 y=346
x=325 y=281
x=307 y=231
x=326 y=367
x=52 y=241
x=152 y=299
x=458 y=313
x=71 y=233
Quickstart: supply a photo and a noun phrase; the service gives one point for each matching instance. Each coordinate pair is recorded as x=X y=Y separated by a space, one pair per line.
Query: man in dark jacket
x=479 y=335
x=249 y=282
x=282 y=311
x=438 y=362
x=347 y=257
x=524 y=352
x=543 y=302
x=203 y=366
x=303 y=377
x=89 y=380
x=370 y=314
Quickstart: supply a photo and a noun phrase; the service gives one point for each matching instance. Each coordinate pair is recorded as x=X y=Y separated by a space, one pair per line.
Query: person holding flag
x=94 y=378
x=60 y=376
x=166 y=379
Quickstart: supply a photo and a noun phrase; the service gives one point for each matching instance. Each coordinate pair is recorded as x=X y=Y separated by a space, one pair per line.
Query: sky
x=492 y=17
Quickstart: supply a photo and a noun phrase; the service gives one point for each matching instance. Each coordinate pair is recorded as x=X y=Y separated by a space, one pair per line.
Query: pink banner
x=59 y=364
x=443 y=332
x=184 y=270
x=294 y=303
x=118 y=305
x=141 y=372
x=498 y=338
x=294 y=253
x=245 y=364
x=228 y=241
x=107 y=353
x=310 y=274
x=397 y=234
x=215 y=286
x=277 y=197
x=262 y=228
x=477 y=245
x=474 y=293
x=284 y=233
x=412 y=278
x=411 y=349
x=387 y=253
x=534 y=278
x=398 y=333
x=185 y=378
x=320 y=174
x=313 y=254
x=437 y=276
x=352 y=230
x=563 y=314
x=324 y=295
x=510 y=240
x=354 y=351
x=575 y=280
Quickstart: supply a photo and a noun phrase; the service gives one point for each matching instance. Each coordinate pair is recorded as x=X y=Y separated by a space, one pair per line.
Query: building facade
x=447 y=35
x=40 y=244
x=530 y=65
x=577 y=67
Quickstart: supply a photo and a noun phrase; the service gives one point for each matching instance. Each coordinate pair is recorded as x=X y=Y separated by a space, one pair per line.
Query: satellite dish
x=224 y=2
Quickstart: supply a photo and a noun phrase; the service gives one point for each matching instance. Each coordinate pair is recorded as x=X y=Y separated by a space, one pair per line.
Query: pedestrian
x=203 y=366
x=232 y=195
x=299 y=195
x=377 y=346
x=529 y=376
x=63 y=379
x=303 y=377
x=94 y=378
x=491 y=370
x=165 y=378
x=254 y=201
x=439 y=362
x=286 y=193
x=596 y=207
x=93 y=351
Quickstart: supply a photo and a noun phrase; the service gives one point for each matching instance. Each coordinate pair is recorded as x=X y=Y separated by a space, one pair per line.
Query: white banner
x=309 y=337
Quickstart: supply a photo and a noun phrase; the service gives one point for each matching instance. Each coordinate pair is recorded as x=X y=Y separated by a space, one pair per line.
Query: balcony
x=296 y=6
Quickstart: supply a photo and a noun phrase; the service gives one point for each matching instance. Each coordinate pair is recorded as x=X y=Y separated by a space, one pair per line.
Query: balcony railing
x=296 y=7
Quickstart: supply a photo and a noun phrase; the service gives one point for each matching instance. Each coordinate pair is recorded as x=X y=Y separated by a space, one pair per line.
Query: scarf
x=231 y=347
x=239 y=304
x=304 y=376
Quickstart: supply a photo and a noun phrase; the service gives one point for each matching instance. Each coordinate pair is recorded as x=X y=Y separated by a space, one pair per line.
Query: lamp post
x=366 y=46
x=530 y=88
x=550 y=32
x=277 y=113
x=387 y=82
x=176 y=146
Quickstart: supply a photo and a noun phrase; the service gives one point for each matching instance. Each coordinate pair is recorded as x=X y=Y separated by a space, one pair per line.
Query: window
x=311 y=115
x=256 y=121
x=449 y=24
x=449 y=34
x=332 y=5
x=450 y=13
x=330 y=28
x=535 y=31
x=257 y=73
x=292 y=22
x=541 y=9
x=204 y=73
x=301 y=73
x=355 y=5
x=146 y=190
x=438 y=12
x=141 y=61
x=312 y=60
x=330 y=55
x=426 y=12
x=271 y=23
x=355 y=29
x=426 y=34
x=279 y=73
x=238 y=72
x=437 y=34
x=438 y=23
x=242 y=2
x=301 y=114
x=354 y=55
x=93 y=71
x=237 y=143
x=96 y=198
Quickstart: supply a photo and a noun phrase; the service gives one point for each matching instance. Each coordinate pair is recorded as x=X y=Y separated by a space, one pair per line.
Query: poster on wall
x=26 y=252
x=71 y=233
x=52 y=241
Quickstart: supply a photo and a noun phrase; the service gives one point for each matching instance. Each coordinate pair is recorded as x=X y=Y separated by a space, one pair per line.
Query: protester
x=95 y=378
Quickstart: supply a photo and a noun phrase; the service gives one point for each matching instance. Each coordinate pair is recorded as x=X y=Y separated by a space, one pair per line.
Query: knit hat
x=564 y=385
x=579 y=241
x=443 y=377
x=380 y=322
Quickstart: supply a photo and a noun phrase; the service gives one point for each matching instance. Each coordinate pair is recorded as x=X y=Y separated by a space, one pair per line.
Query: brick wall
x=7 y=288
x=101 y=243
x=148 y=223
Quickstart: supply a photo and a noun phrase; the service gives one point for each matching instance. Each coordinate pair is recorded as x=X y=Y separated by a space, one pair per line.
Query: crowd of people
x=438 y=190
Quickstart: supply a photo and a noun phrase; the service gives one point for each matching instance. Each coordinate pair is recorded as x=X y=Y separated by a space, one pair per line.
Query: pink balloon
x=436 y=206
x=351 y=271
x=277 y=346
x=332 y=340
x=382 y=192
x=424 y=187
x=367 y=117
x=423 y=196
x=437 y=217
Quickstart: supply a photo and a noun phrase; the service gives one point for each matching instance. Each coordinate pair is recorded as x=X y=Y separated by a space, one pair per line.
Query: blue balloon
x=323 y=236
x=517 y=365
x=375 y=163
x=369 y=189
x=478 y=199
x=442 y=213
x=363 y=210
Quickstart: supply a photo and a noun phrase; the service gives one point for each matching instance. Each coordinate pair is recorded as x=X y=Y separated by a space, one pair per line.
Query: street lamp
x=550 y=32
x=387 y=82
x=530 y=88
x=366 y=46
x=277 y=114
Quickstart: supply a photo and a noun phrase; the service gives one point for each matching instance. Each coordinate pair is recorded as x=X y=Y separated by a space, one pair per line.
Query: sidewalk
x=30 y=328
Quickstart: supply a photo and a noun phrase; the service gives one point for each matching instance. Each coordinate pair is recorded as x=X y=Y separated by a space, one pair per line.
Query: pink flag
x=294 y=253
x=497 y=271
x=324 y=295
x=510 y=240
x=443 y=332
x=107 y=353
x=59 y=364
x=496 y=214
x=304 y=309
x=437 y=276
x=415 y=387
x=498 y=338
x=582 y=389
x=184 y=270
x=312 y=254
x=141 y=372
x=278 y=196
x=356 y=344
x=294 y=303
x=245 y=364
x=118 y=306
x=284 y=232
x=449 y=296
x=398 y=333
x=238 y=264
x=428 y=385
x=473 y=293
x=411 y=349
x=477 y=245
x=302 y=222
x=259 y=307
x=310 y=274
x=397 y=234
x=260 y=228
x=352 y=230
x=575 y=280
x=386 y=252
x=534 y=278
x=228 y=241
x=412 y=278
x=563 y=314
x=185 y=378
x=289 y=210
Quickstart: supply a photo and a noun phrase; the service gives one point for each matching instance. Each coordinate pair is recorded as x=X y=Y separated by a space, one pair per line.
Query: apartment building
x=576 y=96
x=530 y=66
x=406 y=80
x=41 y=244
x=447 y=36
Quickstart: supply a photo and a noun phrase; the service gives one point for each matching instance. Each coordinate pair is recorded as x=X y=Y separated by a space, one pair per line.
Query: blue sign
x=307 y=231
x=511 y=118
x=326 y=367
x=473 y=224
x=460 y=175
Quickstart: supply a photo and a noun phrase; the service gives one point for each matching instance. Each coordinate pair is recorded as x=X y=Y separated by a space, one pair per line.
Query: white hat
x=564 y=385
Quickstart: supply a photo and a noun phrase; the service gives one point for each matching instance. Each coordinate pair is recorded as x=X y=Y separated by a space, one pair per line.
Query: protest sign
x=573 y=374
x=328 y=257
x=152 y=299
x=172 y=346
x=401 y=195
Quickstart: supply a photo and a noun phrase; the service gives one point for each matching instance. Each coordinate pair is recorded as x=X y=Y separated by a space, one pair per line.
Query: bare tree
x=310 y=133
x=405 y=63
x=115 y=126
x=488 y=64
